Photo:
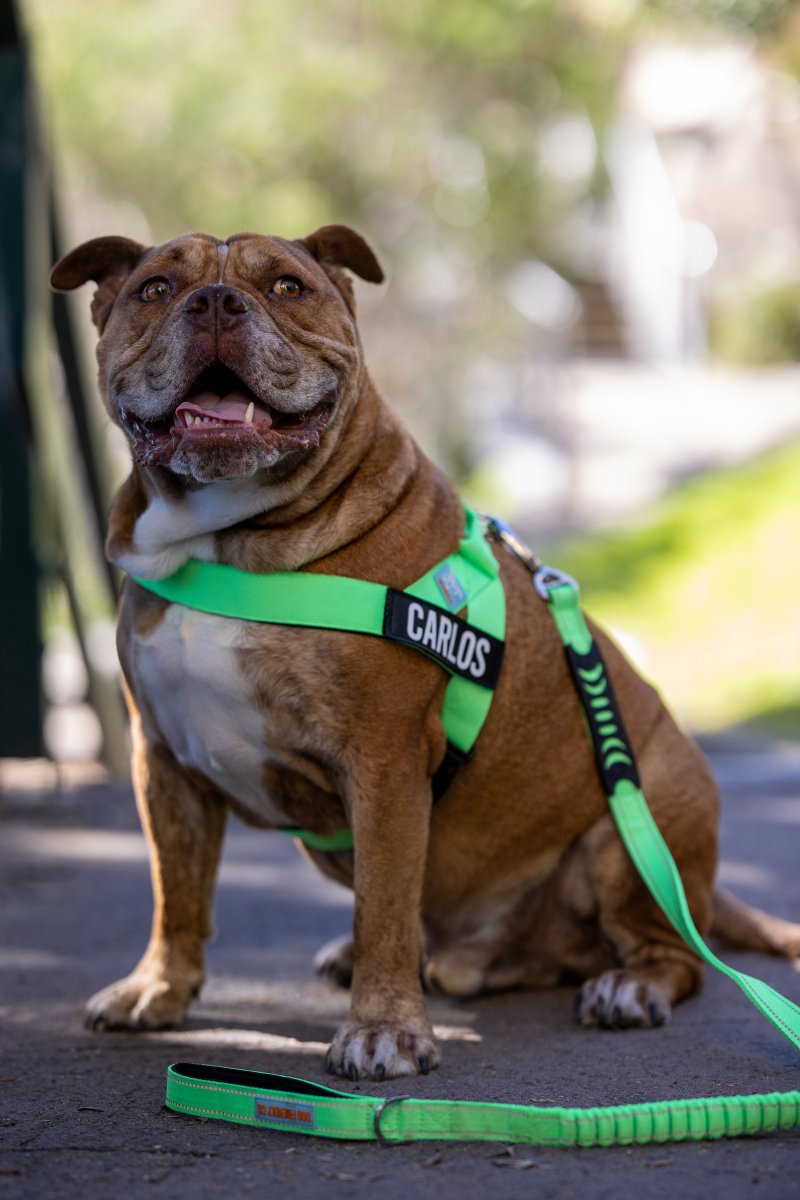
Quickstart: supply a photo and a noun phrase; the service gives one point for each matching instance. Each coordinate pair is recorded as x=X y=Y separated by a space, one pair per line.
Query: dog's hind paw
x=139 y=1003
x=382 y=1051
x=335 y=961
x=621 y=1000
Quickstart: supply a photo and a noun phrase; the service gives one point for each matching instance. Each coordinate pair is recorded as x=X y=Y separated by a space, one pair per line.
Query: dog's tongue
x=223 y=408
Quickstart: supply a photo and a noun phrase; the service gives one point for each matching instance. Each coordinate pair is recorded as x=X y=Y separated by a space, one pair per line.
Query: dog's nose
x=216 y=303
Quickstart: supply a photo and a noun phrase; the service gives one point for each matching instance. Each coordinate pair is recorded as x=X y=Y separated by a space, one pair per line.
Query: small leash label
x=453 y=643
x=277 y=1113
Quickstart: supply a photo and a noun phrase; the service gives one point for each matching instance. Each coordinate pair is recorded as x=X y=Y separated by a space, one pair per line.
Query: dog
x=258 y=440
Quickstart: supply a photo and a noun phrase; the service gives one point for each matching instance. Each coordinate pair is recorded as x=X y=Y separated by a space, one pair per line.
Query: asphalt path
x=81 y=1114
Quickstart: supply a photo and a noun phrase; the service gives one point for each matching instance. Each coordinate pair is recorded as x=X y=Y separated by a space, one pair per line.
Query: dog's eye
x=288 y=287
x=155 y=289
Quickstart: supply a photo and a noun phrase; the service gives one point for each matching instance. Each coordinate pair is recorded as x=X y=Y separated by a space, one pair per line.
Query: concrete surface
x=81 y=1114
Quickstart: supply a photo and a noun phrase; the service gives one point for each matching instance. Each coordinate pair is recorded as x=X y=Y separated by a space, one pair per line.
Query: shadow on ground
x=82 y=1114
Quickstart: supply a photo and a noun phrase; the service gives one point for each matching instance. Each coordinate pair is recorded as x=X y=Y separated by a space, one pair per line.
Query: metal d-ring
x=377 y=1116
x=547 y=578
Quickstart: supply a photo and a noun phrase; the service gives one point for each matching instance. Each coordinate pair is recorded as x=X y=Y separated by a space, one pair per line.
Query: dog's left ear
x=335 y=246
x=108 y=261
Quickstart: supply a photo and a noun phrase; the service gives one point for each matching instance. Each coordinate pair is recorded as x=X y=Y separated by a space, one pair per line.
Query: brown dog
x=258 y=440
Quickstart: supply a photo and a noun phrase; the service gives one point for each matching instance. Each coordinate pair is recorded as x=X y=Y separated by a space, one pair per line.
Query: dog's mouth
x=220 y=412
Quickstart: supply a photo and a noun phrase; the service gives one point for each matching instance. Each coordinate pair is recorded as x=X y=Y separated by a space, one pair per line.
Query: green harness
x=421 y=617
x=470 y=578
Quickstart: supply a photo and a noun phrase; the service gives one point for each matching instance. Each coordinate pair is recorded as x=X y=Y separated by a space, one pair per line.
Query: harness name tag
x=457 y=646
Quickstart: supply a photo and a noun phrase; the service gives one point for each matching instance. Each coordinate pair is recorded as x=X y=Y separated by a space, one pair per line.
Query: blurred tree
x=464 y=139
x=257 y=115
x=244 y=113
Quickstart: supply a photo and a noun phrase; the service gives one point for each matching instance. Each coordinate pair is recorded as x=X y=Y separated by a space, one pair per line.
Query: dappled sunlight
x=239 y=1039
x=734 y=874
x=88 y=845
x=22 y=958
x=781 y=812
x=114 y=846
x=254 y=874
x=223 y=1037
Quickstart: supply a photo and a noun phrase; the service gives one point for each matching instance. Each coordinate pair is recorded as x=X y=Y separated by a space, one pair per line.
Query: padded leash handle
x=281 y=1102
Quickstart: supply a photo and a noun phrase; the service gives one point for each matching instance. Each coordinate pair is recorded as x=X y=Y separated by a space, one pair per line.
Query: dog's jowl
x=259 y=441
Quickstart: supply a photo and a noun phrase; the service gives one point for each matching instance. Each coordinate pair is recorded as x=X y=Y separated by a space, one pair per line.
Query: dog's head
x=223 y=359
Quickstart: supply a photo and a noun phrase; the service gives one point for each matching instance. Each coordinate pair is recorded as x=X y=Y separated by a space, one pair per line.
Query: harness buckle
x=547 y=579
x=378 y=1115
x=511 y=539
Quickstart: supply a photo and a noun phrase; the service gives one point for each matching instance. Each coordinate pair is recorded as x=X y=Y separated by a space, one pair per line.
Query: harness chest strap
x=422 y=617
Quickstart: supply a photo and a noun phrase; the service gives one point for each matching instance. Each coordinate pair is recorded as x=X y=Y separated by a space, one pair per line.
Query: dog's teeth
x=189 y=418
x=248 y=413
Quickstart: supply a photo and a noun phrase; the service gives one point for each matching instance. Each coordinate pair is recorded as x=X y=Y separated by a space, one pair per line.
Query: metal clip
x=546 y=579
x=497 y=528
x=378 y=1114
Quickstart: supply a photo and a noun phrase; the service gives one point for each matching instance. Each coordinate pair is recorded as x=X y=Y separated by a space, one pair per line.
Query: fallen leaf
x=516 y=1164
x=507 y=1157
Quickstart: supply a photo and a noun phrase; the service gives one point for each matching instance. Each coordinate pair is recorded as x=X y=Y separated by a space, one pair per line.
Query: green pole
x=20 y=638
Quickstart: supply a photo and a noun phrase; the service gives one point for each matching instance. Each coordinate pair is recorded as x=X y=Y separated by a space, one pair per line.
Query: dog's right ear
x=108 y=261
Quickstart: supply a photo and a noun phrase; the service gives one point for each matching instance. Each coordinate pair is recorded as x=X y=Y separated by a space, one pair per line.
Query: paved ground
x=81 y=1114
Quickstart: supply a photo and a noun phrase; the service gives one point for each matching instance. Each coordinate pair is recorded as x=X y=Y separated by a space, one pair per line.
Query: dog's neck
x=157 y=522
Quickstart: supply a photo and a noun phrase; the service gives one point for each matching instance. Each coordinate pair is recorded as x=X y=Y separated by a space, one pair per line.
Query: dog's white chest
x=190 y=670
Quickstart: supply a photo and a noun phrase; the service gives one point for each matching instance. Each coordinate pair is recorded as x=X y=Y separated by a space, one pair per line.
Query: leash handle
x=281 y=1102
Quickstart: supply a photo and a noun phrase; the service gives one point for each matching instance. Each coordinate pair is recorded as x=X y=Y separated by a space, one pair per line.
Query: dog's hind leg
x=184 y=822
x=335 y=961
x=655 y=968
x=747 y=928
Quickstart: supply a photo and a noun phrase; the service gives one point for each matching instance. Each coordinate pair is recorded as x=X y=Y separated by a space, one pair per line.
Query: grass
x=705 y=591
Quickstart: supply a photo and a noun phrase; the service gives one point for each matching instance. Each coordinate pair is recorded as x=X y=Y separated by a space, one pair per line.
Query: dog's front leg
x=388 y=1032
x=184 y=822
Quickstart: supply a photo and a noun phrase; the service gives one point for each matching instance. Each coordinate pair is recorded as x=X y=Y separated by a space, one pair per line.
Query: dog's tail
x=746 y=928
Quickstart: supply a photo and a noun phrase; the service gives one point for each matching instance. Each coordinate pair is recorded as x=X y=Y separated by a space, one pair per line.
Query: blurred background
x=587 y=211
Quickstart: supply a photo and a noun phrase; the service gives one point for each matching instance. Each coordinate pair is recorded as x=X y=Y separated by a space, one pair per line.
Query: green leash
x=617 y=768
x=282 y=1102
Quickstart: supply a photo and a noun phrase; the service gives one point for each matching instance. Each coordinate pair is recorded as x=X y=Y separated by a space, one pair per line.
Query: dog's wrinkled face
x=222 y=359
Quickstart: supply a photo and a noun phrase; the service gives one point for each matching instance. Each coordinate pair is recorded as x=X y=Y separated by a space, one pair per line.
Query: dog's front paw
x=335 y=961
x=143 y=1000
x=621 y=1000
x=382 y=1051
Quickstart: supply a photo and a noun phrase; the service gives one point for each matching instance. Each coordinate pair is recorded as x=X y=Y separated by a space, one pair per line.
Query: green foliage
x=413 y=120
x=760 y=329
x=759 y=15
x=706 y=584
